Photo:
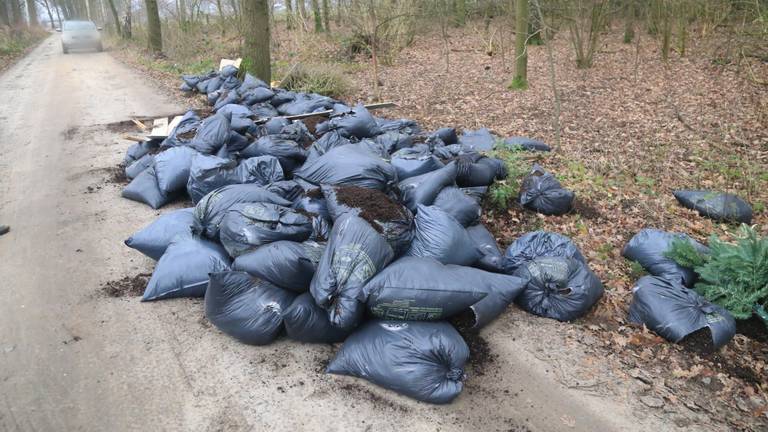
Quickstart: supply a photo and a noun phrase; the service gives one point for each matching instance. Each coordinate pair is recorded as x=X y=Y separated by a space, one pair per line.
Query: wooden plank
x=139 y=124
x=227 y=62
x=134 y=138
x=327 y=113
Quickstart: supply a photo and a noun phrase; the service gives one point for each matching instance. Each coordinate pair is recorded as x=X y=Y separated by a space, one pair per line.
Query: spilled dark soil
x=129 y=286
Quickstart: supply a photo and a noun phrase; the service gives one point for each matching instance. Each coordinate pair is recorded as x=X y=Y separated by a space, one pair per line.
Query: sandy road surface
x=72 y=359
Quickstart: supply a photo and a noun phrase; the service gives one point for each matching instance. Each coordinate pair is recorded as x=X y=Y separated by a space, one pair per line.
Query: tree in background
x=317 y=16
x=155 y=36
x=17 y=16
x=115 y=16
x=5 y=18
x=256 y=35
x=32 y=12
x=288 y=15
x=520 y=81
x=326 y=15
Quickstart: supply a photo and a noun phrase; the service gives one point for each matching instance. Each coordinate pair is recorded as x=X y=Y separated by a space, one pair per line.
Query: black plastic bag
x=288 y=189
x=246 y=308
x=266 y=110
x=423 y=289
x=183 y=133
x=559 y=288
x=172 y=168
x=491 y=259
x=250 y=225
x=391 y=219
x=457 y=204
x=403 y=126
x=210 y=210
x=287 y=264
x=210 y=172
x=447 y=135
x=227 y=97
x=304 y=103
x=305 y=321
x=236 y=143
x=138 y=150
x=674 y=312
x=183 y=269
x=716 y=205
x=477 y=193
x=422 y=360
x=539 y=244
x=474 y=169
x=251 y=82
x=144 y=189
x=290 y=153
x=138 y=166
x=393 y=141
x=423 y=189
x=649 y=246
x=257 y=95
x=358 y=123
x=296 y=131
x=239 y=118
x=478 y=140
x=154 y=239
x=440 y=236
x=524 y=143
x=326 y=143
x=212 y=134
x=541 y=192
x=349 y=165
x=355 y=253
x=411 y=162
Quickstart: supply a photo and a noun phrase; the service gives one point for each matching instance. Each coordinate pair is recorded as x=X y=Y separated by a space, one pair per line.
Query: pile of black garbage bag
x=364 y=231
x=664 y=302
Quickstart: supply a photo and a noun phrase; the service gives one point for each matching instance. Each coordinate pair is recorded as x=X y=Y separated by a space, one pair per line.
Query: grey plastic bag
x=674 y=312
x=349 y=165
x=440 y=236
x=250 y=225
x=410 y=162
x=478 y=140
x=559 y=288
x=183 y=269
x=391 y=219
x=359 y=124
x=474 y=169
x=138 y=166
x=355 y=253
x=211 y=209
x=421 y=360
x=211 y=172
x=491 y=258
x=246 y=308
x=649 y=246
x=541 y=192
x=526 y=144
x=172 y=168
x=287 y=264
x=211 y=135
x=305 y=321
x=716 y=205
x=423 y=189
x=144 y=189
x=154 y=239
x=539 y=244
x=457 y=204
x=290 y=153
x=423 y=289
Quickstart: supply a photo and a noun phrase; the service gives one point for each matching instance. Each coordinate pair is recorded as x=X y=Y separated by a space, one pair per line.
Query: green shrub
x=502 y=192
x=320 y=79
x=733 y=275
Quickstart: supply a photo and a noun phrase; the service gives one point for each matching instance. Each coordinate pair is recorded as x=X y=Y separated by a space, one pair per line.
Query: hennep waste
x=367 y=231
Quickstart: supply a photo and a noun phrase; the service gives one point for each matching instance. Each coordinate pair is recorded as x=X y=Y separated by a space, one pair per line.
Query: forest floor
x=632 y=129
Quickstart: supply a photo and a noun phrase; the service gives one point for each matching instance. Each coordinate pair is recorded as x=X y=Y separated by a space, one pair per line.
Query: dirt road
x=74 y=359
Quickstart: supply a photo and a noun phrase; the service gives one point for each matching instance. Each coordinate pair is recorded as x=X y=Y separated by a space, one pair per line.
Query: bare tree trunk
x=317 y=16
x=18 y=17
x=155 y=35
x=32 y=12
x=256 y=55
x=302 y=10
x=326 y=16
x=288 y=14
x=115 y=17
x=47 y=10
x=5 y=18
x=520 y=81
x=127 y=25
x=552 y=77
x=58 y=12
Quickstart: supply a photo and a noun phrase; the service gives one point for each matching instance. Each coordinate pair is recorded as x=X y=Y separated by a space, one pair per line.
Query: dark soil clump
x=315 y=193
x=123 y=126
x=187 y=135
x=117 y=175
x=70 y=133
x=480 y=355
x=128 y=286
x=312 y=122
x=586 y=209
x=360 y=392
x=753 y=328
x=699 y=341
x=374 y=205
